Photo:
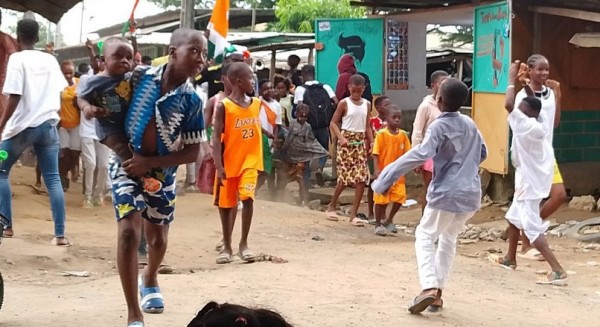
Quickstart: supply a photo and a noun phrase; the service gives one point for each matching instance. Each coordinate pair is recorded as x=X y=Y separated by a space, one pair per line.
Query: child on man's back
x=106 y=96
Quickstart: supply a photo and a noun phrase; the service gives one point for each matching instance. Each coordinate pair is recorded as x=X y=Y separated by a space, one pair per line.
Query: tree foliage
x=457 y=36
x=299 y=15
x=207 y=4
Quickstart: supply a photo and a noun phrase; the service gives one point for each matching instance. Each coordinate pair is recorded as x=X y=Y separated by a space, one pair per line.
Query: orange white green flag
x=218 y=27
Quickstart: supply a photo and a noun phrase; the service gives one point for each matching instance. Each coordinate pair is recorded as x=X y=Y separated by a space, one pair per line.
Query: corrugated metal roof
x=52 y=10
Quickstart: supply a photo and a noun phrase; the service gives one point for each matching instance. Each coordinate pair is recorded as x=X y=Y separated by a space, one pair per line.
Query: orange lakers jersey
x=242 y=138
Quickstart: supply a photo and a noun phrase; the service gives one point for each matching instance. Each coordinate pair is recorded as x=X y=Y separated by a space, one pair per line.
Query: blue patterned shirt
x=177 y=113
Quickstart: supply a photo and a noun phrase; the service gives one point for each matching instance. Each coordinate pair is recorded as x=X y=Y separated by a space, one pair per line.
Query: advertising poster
x=492 y=48
x=362 y=38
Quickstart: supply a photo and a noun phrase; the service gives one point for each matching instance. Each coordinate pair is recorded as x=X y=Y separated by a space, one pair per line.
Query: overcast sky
x=97 y=14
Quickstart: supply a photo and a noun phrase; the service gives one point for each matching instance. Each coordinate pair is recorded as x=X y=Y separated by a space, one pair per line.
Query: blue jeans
x=322 y=136
x=44 y=139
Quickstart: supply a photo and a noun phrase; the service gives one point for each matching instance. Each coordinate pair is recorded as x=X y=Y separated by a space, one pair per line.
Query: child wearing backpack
x=321 y=101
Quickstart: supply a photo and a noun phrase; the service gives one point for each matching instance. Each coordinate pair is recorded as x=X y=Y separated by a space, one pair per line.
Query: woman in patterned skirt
x=354 y=143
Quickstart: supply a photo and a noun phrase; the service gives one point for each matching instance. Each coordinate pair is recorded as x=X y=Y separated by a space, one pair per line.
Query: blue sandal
x=136 y=324
x=152 y=299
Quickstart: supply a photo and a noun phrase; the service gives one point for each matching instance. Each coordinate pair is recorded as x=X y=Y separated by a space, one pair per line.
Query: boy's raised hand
x=522 y=74
x=513 y=72
x=554 y=85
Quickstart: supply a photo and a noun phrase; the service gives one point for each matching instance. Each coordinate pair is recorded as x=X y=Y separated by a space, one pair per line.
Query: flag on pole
x=218 y=28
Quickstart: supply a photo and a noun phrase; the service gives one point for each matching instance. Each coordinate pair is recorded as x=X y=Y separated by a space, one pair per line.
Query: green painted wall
x=577 y=139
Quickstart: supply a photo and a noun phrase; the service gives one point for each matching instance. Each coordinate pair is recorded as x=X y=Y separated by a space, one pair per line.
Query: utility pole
x=186 y=19
x=81 y=25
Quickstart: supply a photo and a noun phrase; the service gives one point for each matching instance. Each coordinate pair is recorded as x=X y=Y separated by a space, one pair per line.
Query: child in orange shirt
x=390 y=144
x=238 y=153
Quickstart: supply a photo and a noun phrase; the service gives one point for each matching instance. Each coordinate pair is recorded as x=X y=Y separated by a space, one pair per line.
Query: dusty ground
x=351 y=278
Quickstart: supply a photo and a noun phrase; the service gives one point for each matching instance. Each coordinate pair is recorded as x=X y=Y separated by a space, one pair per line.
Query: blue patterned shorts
x=129 y=195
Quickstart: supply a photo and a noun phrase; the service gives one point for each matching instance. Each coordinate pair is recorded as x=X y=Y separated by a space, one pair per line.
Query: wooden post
x=311 y=56
x=273 y=64
x=537 y=32
x=186 y=17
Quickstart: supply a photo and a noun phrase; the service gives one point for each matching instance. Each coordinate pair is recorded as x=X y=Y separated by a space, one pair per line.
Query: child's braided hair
x=232 y=315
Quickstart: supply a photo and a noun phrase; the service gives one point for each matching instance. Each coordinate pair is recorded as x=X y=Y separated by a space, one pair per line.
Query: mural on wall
x=361 y=38
x=492 y=48
x=397 y=55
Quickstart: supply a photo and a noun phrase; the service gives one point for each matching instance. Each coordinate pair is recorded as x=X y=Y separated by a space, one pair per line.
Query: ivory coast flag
x=218 y=27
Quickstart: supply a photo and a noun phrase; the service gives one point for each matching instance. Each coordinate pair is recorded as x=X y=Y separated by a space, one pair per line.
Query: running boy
x=106 y=96
x=377 y=122
x=355 y=138
x=457 y=149
x=164 y=108
x=390 y=144
x=237 y=149
x=532 y=156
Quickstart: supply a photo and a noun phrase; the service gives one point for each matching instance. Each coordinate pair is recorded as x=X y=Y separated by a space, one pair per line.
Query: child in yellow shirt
x=390 y=144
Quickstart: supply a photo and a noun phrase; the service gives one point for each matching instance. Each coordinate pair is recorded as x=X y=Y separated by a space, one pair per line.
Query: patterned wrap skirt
x=352 y=165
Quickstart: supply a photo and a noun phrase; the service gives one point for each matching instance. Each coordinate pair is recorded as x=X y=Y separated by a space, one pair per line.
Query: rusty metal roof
x=52 y=10
x=586 y=5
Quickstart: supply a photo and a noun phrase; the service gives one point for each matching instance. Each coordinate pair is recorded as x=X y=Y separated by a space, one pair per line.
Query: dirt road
x=350 y=278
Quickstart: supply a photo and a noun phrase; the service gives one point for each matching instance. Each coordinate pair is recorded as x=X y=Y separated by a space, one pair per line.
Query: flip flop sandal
x=554 y=278
x=165 y=269
x=435 y=307
x=531 y=254
x=247 y=256
x=55 y=242
x=420 y=304
x=136 y=324
x=502 y=262
x=332 y=216
x=391 y=227
x=152 y=299
x=357 y=222
x=223 y=258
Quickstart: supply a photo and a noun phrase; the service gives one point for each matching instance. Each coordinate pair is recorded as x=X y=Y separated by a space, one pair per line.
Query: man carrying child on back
x=164 y=107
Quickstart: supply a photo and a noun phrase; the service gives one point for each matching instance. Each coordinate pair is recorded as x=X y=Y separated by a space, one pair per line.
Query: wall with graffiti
x=362 y=38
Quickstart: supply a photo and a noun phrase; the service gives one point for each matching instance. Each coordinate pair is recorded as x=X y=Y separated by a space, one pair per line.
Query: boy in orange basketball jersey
x=237 y=149
x=390 y=144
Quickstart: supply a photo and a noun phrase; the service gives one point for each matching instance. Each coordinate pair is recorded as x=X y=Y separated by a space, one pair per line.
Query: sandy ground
x=351 y=278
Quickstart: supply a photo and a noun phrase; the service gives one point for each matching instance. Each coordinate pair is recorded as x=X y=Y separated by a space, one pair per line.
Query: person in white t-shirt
x=95 y=157
x=33 y=85
x=532 y=156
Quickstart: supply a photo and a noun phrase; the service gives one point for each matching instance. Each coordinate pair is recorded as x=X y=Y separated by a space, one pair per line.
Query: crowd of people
x=134 y=124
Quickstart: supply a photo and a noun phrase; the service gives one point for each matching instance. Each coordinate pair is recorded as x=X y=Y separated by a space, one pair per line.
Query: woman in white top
x=354 y=143
x=548 y=91
x=427 y=113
